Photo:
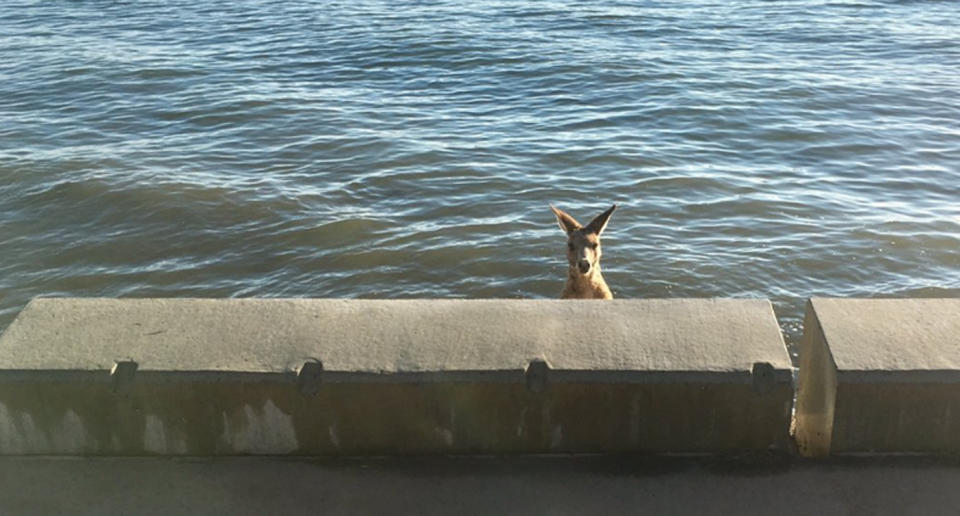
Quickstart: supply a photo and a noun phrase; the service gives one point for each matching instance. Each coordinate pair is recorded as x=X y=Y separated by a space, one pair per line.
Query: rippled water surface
x=409 y=149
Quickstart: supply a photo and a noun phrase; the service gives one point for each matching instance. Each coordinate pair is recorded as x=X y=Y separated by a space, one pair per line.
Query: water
x=409 y=149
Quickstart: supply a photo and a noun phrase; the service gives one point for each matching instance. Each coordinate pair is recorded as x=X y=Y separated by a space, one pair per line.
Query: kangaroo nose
x=584 y=266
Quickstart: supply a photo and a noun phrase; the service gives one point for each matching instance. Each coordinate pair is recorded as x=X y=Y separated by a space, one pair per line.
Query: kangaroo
x=584 y=280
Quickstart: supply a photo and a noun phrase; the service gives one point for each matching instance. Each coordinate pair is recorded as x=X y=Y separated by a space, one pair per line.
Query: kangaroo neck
x=587 y=286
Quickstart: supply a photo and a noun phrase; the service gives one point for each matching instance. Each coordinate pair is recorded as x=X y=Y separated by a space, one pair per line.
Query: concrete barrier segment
x=348 y=377
x=879 y=376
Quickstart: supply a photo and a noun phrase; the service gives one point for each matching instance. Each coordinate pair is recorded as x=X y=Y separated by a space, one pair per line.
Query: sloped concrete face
x=879 y=375
x=348 y=377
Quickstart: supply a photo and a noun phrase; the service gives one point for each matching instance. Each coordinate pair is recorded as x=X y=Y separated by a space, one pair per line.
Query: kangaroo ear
x=598 y=224
x=567 y=223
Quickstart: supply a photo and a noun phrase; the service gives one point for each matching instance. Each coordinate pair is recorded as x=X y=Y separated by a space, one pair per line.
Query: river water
x=389 y=149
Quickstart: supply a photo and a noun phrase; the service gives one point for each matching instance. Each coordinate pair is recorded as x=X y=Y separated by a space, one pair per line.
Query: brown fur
x=584 y=279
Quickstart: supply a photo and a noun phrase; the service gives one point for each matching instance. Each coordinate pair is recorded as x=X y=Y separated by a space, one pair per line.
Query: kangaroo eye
x=594 y=246
x=570 y=246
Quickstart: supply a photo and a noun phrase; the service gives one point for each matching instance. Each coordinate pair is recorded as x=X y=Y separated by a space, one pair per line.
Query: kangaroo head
x=583 y=242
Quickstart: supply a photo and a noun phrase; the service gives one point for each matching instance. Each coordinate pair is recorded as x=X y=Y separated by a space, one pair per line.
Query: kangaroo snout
x=583 y=266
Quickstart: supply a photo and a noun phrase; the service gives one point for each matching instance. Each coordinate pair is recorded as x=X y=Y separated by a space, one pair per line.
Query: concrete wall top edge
x=945 y=376
x=494 y=376
x=918 y=337
x=513 y=376
x=394 y=336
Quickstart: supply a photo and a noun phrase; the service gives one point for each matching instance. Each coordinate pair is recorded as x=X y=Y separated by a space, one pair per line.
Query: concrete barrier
x=879 y=375
x=347 y=377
